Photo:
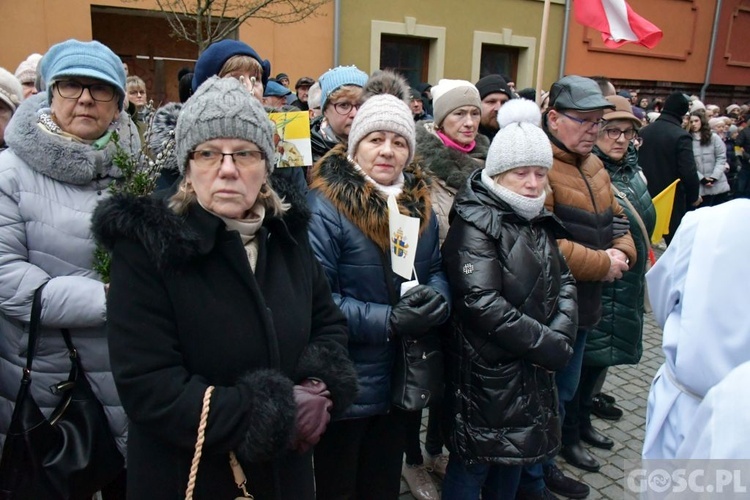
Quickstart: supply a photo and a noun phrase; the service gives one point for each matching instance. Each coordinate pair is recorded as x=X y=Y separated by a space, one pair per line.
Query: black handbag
x=417 y=378
x=71 y=454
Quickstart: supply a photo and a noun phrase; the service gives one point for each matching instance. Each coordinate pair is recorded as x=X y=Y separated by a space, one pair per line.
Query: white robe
x=699 y=292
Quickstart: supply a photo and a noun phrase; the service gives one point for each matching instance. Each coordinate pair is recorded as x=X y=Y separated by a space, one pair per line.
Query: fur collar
x=447 y=164
x=171 y=240
x=62 y=159
x=359 y=200
x=160 y=135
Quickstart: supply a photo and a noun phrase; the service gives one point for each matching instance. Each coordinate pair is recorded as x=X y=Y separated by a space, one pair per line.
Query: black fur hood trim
x=451 y=166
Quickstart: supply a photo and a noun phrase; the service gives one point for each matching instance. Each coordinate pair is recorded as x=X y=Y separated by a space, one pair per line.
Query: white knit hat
x=384 y=112
x=448 y=95
x=520 y=142
x=26 y=71
x=11 y=92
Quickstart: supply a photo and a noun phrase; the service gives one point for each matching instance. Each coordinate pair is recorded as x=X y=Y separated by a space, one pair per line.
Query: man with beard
x=494 y=92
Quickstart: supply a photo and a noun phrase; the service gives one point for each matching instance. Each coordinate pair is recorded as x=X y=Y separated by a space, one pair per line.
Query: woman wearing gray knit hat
x=360 y=454
x=219 y=287
x=515 y=315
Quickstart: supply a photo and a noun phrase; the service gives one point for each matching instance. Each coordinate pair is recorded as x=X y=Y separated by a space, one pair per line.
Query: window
x=499 y=60
x=406 y=55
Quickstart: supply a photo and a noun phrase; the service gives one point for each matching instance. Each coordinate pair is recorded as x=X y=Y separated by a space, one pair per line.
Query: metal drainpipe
x=336 y=28
x=711 y=49
x=564 y=46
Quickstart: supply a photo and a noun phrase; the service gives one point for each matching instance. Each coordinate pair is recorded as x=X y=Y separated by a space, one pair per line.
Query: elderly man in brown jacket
x=599 y=249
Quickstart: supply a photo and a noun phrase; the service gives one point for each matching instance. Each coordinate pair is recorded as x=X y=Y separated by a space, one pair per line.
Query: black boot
x=604 y=409
x=595 y=438
x=559 y=483
x=577 y=456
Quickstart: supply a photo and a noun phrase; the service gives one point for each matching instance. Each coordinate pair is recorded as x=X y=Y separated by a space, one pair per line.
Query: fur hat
x=26 y=71
x=677 y=104
x=335 y=78
x=213 y=58
x=520 y=142
x=448 y=95
x=223 y=108
x=87 y=59
x=385 y=108
x=11 y=91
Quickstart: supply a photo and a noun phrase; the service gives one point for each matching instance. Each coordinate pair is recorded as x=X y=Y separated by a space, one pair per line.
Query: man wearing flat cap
x=598 y=247
x=302 y=88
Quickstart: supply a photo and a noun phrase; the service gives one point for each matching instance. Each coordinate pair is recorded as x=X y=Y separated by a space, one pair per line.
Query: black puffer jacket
x=515 y=319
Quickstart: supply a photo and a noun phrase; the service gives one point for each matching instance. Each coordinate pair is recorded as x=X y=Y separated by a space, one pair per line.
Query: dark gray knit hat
x=223 y=108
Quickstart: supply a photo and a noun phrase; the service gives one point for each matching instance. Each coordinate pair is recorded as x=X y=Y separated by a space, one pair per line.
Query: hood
x=60 y=158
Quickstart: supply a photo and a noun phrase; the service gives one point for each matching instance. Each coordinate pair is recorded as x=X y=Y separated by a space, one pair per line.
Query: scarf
x=454 y=145
x=526 y=207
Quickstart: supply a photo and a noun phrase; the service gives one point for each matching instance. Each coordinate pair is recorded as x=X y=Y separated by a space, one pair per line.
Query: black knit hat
x=677 y=104
x=491 y=84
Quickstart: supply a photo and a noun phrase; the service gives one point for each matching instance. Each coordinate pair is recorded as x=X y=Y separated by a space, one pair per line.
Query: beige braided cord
x=199 y=443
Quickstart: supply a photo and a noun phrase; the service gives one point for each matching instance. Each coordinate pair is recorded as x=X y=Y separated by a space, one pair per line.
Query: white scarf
x=526 y=207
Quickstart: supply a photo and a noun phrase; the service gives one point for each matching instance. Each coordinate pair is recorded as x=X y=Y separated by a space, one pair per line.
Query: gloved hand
x=417 y=312
x=314 y=404
x=620 y=226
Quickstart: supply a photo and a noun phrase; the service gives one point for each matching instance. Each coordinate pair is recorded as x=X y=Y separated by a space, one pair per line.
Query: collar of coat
x=447 y=164
x=336 y=179
x=60 y=158
x=172 y=240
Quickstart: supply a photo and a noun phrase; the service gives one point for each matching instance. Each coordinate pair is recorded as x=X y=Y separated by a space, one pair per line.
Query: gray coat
x=49 y=187
x=710 y=161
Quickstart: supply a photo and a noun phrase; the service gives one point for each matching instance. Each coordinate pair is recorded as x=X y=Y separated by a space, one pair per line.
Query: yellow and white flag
x=404 y=237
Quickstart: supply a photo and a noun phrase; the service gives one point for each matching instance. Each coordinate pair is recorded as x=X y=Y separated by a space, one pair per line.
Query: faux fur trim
x=331 y=364
x=271 y=412
x=360 y=201
x=60 y=158
x=386 y=82
x=161 y=133
x=447 y=164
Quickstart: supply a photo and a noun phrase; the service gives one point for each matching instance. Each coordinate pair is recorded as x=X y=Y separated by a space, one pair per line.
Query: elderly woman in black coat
x=515 y=315
x=220 y=287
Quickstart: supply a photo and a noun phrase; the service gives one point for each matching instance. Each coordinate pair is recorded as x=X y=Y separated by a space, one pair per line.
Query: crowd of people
x=274 y=286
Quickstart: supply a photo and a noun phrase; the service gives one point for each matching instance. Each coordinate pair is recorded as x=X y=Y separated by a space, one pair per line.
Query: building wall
x=509 y=22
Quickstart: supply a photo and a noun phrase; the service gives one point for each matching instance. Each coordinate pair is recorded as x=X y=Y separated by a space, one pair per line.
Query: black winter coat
x=515 y=319
x=665 y=156
x=186 y=311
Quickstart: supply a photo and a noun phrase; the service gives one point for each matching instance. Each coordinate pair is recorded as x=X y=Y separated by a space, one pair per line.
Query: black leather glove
x=417 y=312
x=620 y=226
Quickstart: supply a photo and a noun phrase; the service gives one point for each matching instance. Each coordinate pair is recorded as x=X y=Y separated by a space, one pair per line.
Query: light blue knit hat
x=335 y=78
x=88 y=59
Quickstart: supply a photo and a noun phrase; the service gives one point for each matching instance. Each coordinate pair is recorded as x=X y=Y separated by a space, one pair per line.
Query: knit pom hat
x=222 y=108
x=11 y=91
x=213 y=58
x=86 y=59
x=26 y=71
x=520 y=142
x=335 y=78
x=677 y=104
x=448 y=95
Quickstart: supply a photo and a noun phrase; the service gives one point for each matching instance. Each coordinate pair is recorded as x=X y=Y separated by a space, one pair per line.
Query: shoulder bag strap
x=388 y=272
x=34 y=323
x=638 y=219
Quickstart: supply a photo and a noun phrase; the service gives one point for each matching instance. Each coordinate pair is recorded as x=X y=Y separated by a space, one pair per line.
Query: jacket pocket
x=496 y=395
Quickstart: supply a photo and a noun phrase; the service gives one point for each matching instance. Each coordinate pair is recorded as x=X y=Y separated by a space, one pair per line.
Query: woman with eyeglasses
x=617 y=338
x=58 y=166
x=218 y=286
x=136 y=89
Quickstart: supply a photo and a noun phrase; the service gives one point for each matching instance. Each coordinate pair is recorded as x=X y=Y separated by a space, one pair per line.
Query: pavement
x=630 y=385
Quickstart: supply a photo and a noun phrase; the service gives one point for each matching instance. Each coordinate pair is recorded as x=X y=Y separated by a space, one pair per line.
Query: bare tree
x=205 y=21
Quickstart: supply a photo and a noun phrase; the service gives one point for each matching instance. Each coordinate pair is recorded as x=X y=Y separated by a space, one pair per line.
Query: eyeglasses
x=615 y=133
x=136 y=92
x=585 y=123
x=344 y=108
x=206 y=158
x=71 y=89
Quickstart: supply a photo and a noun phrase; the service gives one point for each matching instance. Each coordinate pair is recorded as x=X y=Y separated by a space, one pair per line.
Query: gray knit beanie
x=223 y=108
x=520 y=142
x=384 y=112
x=448 y=95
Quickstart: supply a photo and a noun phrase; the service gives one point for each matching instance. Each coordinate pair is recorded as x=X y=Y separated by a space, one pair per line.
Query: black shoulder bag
x=417 y=377
x=71 y=454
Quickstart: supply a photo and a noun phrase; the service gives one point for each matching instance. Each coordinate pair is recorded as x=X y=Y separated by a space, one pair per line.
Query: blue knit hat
x=213 y=58
x=335 y=78
x=87 y=59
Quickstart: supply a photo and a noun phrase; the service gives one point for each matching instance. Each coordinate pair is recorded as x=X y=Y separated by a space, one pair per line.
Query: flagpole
x=542 y=51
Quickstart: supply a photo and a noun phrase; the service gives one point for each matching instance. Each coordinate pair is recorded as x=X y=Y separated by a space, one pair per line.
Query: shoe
x=602 y=409
x=595 y=438
x=543 y=494
x=436 y=464
x=559 y=483
x=577 y=456
x=420 y=483
x=607 y=398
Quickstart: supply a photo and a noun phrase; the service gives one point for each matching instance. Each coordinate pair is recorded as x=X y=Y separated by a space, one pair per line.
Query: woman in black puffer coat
x=515 y=315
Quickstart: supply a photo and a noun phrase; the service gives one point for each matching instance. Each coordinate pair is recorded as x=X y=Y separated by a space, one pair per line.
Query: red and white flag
x=618 y=23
